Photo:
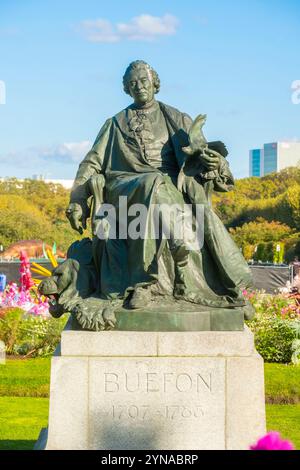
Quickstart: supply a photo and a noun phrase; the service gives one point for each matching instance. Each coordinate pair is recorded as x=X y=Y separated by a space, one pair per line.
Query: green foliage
x=275 y=197
x=293 y=202
x=248 y=251
x=258 y=210
x=269 y=252
x=10 y=328
x=32 y=209
x=275 y=328
x=273 y=339
x=260 y=230
x=30 y=335
x=292 y=247
x=261 y=253
x=263 y=210
x=296 y=344
x=278 y=252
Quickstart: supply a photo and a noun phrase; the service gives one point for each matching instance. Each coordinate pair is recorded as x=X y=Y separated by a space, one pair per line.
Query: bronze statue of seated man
x=153 y=155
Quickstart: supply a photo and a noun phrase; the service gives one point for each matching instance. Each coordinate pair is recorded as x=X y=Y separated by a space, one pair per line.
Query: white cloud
x=140 y=28
x=147 y=27
x=99 y=31
x=67 y=153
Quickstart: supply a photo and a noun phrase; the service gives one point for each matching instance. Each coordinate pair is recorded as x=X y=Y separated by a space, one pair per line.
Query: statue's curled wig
x=138 y=64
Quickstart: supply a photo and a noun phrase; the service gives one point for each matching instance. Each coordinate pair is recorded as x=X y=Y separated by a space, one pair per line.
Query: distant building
x=273 y=157
x=64 y=182
x=255 y=162
x=67 y=184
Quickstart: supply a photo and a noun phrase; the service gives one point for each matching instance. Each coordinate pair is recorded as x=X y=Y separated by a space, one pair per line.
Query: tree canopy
x=257 y=210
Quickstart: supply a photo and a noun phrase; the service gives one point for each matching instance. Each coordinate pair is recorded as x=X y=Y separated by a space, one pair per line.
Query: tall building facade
x=255 y=162
x=273 y=157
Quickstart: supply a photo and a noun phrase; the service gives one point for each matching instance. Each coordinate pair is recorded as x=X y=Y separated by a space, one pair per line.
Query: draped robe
x=216 y=273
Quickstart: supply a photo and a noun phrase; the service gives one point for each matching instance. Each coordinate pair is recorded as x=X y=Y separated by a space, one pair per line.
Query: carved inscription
x=143 y=412
x=151 y=382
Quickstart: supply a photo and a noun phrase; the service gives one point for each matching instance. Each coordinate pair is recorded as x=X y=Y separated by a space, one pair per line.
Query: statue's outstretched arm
x=79 y=208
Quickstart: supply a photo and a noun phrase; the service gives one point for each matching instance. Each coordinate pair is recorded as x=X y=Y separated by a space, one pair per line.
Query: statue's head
x=141 y=82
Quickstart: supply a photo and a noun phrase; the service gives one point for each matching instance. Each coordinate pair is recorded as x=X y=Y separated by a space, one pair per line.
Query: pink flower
x=26 y=281
x=272 y=441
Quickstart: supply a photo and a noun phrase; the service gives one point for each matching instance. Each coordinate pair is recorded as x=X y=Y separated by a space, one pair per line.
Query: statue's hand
x=199 y=147
x=77 y=216
x=210 y=159
x=196 y=138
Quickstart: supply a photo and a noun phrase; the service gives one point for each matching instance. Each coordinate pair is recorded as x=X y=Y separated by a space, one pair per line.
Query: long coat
x=215 y=273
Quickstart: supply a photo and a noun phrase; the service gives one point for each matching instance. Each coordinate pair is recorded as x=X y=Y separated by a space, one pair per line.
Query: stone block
x=140 y=343
x=157 y=403
x=68 y=411
x=203 y=343
x=108 y=343
x=156 y=390
x=245 y=401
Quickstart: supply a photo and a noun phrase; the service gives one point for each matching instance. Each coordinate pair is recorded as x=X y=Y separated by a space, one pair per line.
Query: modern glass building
x=273 y=157
x=255 y=161
x=270 y=163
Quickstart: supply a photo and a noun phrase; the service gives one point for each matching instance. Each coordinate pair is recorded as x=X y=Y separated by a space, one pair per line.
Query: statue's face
x=140 y=85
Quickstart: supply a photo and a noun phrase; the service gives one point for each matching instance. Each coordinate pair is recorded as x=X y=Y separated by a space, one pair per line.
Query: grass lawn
x=21 y=420
x=282 y=383
x=25 y=377
x=30 y=378
x=286 y=420
x=24 y=388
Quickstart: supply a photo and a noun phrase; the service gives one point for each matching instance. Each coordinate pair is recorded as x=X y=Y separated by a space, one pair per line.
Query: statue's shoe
x=140 y=298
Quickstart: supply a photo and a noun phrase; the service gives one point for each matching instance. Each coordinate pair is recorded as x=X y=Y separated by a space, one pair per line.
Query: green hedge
x=276 y=327
x=274 y=339
x=29 y=335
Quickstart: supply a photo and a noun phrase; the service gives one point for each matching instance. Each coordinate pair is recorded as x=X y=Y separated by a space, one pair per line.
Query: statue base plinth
x=177 y=316
x=126 y=390
x=202 y=319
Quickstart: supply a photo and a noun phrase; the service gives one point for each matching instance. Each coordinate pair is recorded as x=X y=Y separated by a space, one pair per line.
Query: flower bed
x=25 y=295
x=276 y=326
x=30 y=301
x=26 y=327
x=25 y=334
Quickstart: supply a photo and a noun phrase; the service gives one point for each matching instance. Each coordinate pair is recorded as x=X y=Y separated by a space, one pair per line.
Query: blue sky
x=62 y=64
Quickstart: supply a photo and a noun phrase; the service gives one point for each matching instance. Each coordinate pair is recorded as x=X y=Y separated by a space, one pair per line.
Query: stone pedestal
x=156 y=390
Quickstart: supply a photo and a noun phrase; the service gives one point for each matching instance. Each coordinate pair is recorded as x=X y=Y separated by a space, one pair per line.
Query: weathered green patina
x=151 y=154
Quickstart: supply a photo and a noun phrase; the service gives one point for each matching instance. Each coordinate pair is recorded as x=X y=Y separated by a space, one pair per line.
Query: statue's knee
x=97 y=183
x=147 y=181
